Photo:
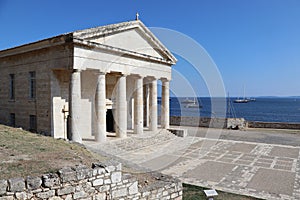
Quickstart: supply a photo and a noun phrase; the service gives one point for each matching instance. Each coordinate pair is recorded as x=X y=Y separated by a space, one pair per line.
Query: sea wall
x=101 y=182
x=198 y=121
x=228 y=123
x=275 y=125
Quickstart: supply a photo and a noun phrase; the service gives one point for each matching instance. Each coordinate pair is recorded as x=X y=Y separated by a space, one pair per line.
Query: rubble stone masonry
x=101 y=182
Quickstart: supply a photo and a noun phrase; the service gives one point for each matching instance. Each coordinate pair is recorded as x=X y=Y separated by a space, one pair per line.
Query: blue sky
x=255 y=43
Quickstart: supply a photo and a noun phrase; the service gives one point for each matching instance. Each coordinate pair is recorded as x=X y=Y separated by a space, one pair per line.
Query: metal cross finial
x=137 y=16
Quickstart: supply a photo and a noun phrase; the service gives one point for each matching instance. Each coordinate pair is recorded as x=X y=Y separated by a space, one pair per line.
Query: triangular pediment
x=131 y=36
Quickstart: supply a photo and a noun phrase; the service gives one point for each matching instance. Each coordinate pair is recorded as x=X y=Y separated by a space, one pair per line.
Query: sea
x=264 y=109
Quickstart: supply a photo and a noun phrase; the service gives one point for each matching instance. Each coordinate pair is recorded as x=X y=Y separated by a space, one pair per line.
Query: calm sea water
x=263 y=109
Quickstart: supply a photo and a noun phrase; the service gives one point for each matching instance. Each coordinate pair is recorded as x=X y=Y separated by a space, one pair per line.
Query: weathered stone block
x=46 y=195
x=65 y=190
x=3 y=186
x=16 y=185
x=78 y=195
x=165 y=193
x=33 y=183
x=37 y=191
x=67 y=174
x=95 y=172
x=50 y=180
x=116 y=177
x=7 y=198
x=236 y=123
x=68 y=197
x=119 y=193
x=83 y=172
x=101 y=196
x=55 y=198
x=133 y=189
x=101 y=171
x=87 y=187
x=21 y=195
x=174 y=195
x=103 y=188
x=97 y=182
x=107 y=181
x=110 y=168
x=145 y=194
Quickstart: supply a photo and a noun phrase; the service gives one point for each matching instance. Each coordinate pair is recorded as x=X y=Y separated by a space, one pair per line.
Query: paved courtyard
x=270 y=171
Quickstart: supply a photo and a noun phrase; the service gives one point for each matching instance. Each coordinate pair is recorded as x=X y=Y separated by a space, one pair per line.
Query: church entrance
x=110 y=121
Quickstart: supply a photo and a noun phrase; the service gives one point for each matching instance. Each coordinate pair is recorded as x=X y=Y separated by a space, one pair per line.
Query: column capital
x=100 y=73
x=137 y=76
x=165 y=79
x=151 y=78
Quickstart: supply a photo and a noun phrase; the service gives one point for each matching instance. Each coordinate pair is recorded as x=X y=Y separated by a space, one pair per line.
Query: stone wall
x=198 y=122
x=41 y=62
x=102 y=181
x=275 y=125
x=238 y=123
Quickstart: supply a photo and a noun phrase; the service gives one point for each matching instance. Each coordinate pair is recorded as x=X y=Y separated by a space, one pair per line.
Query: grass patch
x=26 y=154
x=192 y=192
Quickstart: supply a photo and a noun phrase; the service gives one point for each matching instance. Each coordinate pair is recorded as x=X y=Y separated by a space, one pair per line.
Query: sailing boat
x=243 y=100
x=193 y=104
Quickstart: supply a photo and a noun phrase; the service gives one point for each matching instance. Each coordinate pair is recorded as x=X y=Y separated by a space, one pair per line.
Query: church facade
x=87 y=83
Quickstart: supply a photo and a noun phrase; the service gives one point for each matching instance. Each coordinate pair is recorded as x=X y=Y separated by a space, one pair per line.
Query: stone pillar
x=165 y=104
x=100 y=102
x=74 y=105
x=138 y=106
x=153 y=105
x=146 y=103
x=121 y=108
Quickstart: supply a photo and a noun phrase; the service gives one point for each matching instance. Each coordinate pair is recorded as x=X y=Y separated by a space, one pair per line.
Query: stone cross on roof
x=137 y=16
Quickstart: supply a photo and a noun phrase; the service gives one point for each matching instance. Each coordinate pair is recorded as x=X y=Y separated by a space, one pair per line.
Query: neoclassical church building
x=87 y=83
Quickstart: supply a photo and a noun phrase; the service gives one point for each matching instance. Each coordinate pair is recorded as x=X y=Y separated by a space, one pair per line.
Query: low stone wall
x=228 y=123
x=198 y=121
x=275 y=125
x=101 y=182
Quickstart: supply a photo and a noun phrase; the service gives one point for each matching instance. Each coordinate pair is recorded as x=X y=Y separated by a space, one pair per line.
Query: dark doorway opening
x=110 y=121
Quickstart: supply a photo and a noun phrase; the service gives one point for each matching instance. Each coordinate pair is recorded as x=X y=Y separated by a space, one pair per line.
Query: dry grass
x=192 y=192
x=26 y=154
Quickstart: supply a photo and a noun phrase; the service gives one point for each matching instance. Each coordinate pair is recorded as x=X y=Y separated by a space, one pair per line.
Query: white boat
x=192 y=104
x=187 y=101
x=243 y=100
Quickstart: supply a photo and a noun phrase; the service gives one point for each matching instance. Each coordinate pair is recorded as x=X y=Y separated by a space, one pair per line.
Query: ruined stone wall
x=103 y=181
x=41 y=62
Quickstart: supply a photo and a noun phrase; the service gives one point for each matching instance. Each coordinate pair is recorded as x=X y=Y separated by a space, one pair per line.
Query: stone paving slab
x=269 y=171
x=273 y=181
x=210 y=171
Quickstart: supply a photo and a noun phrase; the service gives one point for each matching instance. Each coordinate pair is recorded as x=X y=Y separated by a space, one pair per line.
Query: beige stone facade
x=86 y=83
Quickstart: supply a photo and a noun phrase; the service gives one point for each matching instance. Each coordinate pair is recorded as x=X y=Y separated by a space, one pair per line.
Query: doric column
x=153 y=105
x=165 y=104
x=74 y=106
x=146 y=103
x=138 y=106
x=100 y=102
x=121 y=108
